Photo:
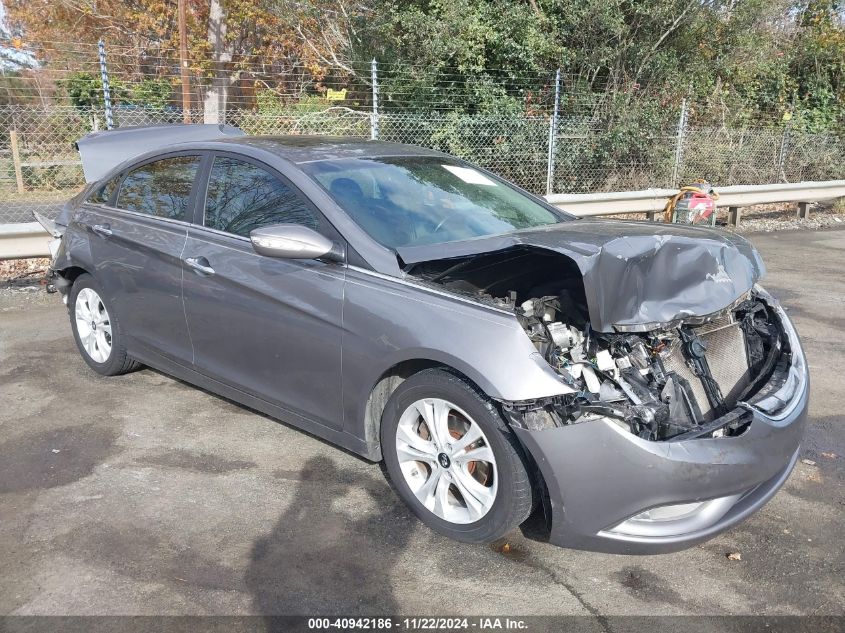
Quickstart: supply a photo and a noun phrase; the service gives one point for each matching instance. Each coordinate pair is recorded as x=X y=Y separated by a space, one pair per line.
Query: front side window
x=161 y=188
x=411 y=200
x=242 y=197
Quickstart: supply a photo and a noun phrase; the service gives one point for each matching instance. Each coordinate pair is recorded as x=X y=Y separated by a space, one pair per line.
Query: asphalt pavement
x=143 y=495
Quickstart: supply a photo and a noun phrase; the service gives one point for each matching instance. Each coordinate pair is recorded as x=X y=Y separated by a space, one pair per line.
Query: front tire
x=453 y=460
x=96 y=329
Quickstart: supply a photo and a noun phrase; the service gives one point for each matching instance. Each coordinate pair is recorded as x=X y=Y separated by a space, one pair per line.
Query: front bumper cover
x=600 y=476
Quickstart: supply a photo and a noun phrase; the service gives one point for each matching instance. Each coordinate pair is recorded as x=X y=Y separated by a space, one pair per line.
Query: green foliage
x=269 y=102
x=85 y=91
x=753 y=60
x=151 y=93
x=468 y=55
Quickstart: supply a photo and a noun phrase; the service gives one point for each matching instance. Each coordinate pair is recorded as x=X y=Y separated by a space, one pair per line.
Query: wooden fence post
x=16 y=159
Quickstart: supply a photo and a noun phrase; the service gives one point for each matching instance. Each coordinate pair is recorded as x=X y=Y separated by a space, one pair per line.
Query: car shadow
x=243 y=407
x=333 y=551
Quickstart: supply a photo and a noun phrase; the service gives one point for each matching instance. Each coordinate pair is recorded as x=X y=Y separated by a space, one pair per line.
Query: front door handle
x=200 y=264
x=102 y=229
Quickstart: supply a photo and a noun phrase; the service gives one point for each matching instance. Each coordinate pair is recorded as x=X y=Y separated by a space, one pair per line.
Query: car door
x=137 y=237
x=268 y=326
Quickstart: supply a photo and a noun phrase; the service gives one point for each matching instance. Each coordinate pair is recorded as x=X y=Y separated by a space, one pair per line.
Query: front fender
x=387 y=321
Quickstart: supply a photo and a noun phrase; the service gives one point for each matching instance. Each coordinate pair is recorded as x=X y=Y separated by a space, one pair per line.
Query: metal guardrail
x=18 y=241
x=652 y=201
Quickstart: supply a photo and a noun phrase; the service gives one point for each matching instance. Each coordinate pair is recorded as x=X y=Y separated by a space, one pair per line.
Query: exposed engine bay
x=683 y=378
x=657 y=384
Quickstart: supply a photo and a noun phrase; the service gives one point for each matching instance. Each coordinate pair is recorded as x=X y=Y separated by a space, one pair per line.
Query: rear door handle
x=102 y=229
x=200 y=264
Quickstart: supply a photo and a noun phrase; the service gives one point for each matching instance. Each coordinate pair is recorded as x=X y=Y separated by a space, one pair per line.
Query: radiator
x=726 y=356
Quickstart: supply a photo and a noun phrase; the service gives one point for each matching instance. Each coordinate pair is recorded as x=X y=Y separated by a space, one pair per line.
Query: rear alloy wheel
x=93 y=325
x=96 y=329
x=452 y=458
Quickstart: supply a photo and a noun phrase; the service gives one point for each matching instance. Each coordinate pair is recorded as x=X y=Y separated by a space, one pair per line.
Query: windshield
x=413 y=200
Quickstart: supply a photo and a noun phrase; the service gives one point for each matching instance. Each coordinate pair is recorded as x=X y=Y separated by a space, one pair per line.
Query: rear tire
x=96 y=329
x=469 y=479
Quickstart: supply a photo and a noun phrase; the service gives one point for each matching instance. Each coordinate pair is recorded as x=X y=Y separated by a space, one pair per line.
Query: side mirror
x=291 y=241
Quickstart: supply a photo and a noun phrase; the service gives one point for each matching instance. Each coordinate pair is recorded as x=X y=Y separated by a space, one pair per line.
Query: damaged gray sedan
x=633 y=380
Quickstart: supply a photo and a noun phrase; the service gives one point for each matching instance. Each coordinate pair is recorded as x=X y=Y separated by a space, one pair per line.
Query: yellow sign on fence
x=336 y=95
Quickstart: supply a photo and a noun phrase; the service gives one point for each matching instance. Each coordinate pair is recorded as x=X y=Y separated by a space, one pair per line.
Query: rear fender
x=72 y=257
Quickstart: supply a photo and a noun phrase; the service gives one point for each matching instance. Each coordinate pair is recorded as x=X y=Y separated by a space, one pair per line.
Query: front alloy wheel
x=452 y=458
x=446 y=460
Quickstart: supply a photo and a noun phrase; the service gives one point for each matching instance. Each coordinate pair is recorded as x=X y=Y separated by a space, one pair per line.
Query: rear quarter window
x=161 y=188
x=102 y=194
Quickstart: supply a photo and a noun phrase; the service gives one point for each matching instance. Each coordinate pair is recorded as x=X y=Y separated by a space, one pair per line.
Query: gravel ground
x=22 y=274
x=768 y=218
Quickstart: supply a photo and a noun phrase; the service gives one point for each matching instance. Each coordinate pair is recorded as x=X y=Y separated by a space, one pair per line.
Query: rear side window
x=161 y=188
x=242 y=197
x=102 y=194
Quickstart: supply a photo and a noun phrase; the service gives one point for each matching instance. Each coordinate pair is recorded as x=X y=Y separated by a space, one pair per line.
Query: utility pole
x=183 y=62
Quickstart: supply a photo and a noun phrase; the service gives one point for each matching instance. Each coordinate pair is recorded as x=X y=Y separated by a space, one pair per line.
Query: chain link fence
x=40 y=169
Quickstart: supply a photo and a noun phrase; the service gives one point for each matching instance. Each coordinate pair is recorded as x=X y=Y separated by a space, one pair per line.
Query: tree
x=221 y=54
x=743 y=57
x=229 y=40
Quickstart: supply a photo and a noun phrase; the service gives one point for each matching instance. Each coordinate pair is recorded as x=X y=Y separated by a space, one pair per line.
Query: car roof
x=310 y=148
x=105 y=150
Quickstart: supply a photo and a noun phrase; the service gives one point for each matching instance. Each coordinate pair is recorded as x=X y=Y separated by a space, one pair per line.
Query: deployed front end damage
x=612 y=489
x=671 y=381
x=676 y=418
x=666 y=336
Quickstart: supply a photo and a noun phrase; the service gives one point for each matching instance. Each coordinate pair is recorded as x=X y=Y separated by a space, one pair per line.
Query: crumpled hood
x=637 y=275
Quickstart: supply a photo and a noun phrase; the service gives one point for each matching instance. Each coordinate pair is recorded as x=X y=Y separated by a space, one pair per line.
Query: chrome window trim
x=208 y=229
x=139 y=214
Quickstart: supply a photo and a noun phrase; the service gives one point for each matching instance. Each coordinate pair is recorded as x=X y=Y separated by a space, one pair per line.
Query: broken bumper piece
x=611 y=491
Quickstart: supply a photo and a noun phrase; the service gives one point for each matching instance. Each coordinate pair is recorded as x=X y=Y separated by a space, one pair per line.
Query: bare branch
x=661 y=39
